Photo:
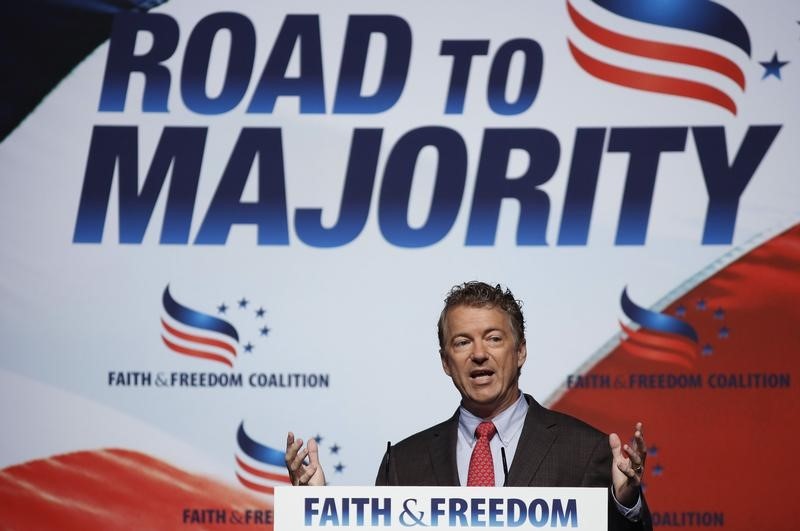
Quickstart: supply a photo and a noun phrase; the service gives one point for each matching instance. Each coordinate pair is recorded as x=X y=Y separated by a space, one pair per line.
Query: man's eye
x=495 y=339
x=461 y=343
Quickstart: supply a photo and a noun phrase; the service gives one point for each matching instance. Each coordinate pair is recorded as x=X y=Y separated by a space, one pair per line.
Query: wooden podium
x=401 y=508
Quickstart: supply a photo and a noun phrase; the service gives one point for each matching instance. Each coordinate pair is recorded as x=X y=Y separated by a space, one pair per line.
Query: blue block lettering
x=581 y=186
x=645 y=145
x=269 y=212
x=531 y=76
x=356 y=198
x=493 y=184
x=122 y=62
x=725 y=183
x=297 y=30
x=451 y=174
x=360 y=28
x=180 y=148
x=462 y=52
x=198 y=54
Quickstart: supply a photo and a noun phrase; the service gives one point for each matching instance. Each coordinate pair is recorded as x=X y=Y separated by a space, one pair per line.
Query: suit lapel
x=538 y=435
x=443 y=453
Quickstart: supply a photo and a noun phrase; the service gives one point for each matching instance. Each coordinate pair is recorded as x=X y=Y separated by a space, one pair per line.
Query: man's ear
x=522 y=354
x=443 y=357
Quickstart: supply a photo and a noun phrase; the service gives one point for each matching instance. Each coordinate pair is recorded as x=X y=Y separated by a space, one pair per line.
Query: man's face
x=482 y=357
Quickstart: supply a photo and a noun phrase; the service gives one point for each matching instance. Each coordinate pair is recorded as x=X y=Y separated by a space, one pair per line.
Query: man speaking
x=500 y=436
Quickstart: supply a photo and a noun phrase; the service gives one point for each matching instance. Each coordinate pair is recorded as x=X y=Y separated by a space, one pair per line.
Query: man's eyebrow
x=487 y=331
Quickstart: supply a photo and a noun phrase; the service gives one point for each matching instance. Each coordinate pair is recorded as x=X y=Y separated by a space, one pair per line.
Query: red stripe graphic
x=115 y=490
x=651 y=82
x=199 y=339
x=658 y=50
x=255 y=486
x=660 y=340
x=283 y=478
x=656 y=347
x=648 y=353
x=196 y=353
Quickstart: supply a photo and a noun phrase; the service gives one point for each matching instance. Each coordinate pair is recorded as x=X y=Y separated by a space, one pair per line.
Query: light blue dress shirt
x=509 y=427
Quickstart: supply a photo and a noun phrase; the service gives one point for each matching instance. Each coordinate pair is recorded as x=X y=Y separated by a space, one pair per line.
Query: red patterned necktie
x=481 y=467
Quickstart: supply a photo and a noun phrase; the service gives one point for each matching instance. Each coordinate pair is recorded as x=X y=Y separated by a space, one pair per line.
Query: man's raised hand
x=303 y=471
x=627 y=467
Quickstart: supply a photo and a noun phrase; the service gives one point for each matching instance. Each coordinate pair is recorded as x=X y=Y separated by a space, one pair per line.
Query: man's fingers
x=626 y=469
x=634 y=463
x=302 y=462
x=629 y=461
x=290 y=443
x=300 y=458
x=616 y=445
x=313 y=452
x=635 y=457
x=294 y=448
x=307 y=474
x=638 y=439
x=295 y=461
x=291 y=448
x=634 y=475
x=638 y=452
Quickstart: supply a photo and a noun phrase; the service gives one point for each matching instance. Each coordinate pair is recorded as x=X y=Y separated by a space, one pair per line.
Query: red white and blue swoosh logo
x=694 y=49
x=659 y=337
x=194 y=333
x=259 y=467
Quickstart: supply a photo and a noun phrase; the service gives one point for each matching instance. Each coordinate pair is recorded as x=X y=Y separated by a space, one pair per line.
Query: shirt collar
x=507 y=422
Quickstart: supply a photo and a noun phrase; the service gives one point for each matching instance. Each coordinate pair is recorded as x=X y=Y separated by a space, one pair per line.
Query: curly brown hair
x=482 y=295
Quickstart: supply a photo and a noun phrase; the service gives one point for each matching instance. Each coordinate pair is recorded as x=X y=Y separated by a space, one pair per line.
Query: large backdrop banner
x=222 y=221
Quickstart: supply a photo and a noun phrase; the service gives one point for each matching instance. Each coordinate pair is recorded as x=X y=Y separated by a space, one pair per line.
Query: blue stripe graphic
x=702 y=16
x=258 y=451
x=190 y=317
x=654 y=320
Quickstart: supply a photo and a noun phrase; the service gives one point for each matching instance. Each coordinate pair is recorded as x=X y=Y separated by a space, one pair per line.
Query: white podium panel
x=396 y=508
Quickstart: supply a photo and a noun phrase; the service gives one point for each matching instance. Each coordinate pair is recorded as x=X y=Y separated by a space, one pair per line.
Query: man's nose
x=479 y=353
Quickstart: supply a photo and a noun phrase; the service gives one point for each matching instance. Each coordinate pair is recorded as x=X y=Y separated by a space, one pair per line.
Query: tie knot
x=485 y=429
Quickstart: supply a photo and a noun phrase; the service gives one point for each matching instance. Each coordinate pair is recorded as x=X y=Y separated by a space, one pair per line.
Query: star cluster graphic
x=245 y=312
x=333 y=450
x=698 y=315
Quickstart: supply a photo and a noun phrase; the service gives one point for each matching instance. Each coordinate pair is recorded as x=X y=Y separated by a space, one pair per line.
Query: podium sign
x=396 y=508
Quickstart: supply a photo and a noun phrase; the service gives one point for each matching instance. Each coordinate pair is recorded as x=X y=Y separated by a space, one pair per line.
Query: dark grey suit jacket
x=554 y=450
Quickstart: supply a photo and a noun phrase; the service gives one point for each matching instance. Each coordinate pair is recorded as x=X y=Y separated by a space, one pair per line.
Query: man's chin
x=486 y=404
x=481 y=403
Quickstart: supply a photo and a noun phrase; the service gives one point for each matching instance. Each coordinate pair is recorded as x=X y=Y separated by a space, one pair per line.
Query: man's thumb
x=616 y=444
